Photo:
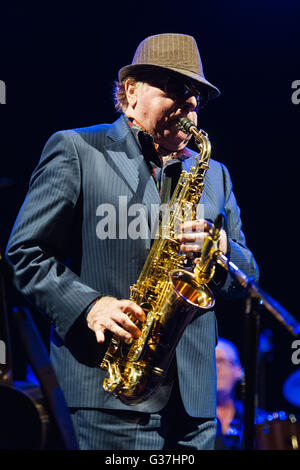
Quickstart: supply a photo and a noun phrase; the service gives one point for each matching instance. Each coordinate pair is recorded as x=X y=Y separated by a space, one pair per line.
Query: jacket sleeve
x=238 y=252
x=40 y=234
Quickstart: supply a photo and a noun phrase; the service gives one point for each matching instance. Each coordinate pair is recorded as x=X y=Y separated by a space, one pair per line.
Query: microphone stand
x=255 y=297
x=251 y=334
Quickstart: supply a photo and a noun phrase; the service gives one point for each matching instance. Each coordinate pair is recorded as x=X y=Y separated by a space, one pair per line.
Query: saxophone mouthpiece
x=185 y=125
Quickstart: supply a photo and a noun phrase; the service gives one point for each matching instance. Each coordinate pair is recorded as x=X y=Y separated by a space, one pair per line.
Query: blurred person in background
x=229 y=408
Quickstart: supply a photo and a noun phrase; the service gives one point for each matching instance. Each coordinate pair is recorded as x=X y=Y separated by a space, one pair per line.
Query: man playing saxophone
x=80 y=278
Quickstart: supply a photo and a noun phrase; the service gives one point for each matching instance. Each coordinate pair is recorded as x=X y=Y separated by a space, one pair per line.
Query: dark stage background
x=59 y=61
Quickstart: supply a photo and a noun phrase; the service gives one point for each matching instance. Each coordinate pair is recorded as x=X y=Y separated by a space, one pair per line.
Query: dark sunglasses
x=179 y=89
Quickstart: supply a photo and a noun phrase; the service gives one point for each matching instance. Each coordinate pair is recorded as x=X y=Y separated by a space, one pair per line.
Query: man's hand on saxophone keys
x=193 y=233
x=109 y=313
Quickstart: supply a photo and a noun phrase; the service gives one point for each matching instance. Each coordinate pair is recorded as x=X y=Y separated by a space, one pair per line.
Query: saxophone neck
x=201 y=139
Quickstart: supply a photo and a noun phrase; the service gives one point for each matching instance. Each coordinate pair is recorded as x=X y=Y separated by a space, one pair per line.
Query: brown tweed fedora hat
x=171 y=51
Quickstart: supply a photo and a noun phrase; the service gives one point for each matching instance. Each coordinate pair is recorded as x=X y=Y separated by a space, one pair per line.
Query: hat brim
x=213 y=92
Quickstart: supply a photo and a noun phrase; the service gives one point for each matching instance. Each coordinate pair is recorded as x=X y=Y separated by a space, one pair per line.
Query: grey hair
x=119 y=93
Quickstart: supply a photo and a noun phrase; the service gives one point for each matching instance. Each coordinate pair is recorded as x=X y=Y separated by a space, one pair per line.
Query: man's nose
x=190 y=103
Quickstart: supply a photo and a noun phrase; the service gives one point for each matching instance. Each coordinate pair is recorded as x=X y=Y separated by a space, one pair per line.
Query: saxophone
x=168 y=293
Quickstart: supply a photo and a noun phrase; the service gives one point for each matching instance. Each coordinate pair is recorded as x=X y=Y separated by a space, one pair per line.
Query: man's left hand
x=193 y=234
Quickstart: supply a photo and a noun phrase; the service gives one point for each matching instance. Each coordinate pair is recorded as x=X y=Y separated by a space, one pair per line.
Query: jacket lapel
x=126 y=156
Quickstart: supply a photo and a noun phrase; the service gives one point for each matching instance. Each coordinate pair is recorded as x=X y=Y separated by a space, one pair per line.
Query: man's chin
x=175 y=141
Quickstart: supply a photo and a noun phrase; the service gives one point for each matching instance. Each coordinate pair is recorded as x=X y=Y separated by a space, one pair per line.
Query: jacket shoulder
x=98 y=134
x=80 y=138
x=89 y=134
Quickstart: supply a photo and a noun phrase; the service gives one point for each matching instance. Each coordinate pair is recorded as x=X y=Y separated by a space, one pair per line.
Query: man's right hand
x=111 y=314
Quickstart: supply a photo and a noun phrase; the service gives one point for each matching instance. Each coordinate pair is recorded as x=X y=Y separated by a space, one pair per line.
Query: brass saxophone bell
x=187 y=287
x=206 y=298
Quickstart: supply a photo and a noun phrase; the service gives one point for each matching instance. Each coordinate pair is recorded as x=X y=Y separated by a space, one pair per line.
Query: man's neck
x=225 y=413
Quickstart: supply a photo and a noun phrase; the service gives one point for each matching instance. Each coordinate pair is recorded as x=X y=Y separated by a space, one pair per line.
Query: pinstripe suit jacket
x=61 y=264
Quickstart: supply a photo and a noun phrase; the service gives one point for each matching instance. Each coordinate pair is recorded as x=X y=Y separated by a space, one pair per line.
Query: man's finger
x=193 y=237
x=100 y=335
x=196 y=247
x=128 y=325
x=196 y=225
x=120 y=332
x=127 y=306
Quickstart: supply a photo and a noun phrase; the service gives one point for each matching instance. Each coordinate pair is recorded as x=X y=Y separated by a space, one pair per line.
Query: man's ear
x=131 y=93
